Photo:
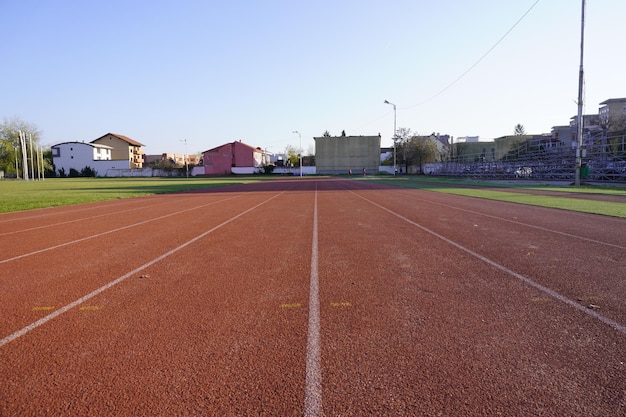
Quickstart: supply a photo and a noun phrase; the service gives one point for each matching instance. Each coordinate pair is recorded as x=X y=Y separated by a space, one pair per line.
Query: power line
x=477 y=62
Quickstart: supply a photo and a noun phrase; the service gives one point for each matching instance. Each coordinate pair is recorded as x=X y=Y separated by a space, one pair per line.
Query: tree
x=401 y=139
x=413 y=150
x=10 y=146
x=420 y=149
x=519 y=130
x=291 y=155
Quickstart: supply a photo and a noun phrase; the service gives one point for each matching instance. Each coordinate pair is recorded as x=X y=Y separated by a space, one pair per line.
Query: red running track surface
x=311 y=297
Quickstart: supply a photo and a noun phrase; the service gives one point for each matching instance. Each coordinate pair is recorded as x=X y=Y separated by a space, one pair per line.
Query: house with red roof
x=123 y=148
x=233 y=158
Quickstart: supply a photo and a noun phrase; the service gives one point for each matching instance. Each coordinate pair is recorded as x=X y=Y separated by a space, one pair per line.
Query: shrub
x=88 y=172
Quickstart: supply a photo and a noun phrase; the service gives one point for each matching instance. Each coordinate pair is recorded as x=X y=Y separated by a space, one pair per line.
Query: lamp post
x=299 y=150
x=394 y=136
x=186 y=164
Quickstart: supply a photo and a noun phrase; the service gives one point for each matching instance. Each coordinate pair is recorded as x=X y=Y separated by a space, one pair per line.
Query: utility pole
x=581 y=79
x=186 y=164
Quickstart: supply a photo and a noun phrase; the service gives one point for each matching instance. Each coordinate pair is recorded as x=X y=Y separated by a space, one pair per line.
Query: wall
x=78 y=155
x=222 y=160
x=218 y=161
x=339 y=154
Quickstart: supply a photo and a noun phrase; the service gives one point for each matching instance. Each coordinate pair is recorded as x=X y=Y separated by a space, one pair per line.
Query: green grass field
x=18 y=195
x=27 y=195
x=503 y=191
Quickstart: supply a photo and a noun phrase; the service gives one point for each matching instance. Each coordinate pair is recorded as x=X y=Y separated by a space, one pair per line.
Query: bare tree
x=519 y=130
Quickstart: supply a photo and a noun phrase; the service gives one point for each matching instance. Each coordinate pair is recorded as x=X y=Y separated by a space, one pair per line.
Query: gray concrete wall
x=339 y=154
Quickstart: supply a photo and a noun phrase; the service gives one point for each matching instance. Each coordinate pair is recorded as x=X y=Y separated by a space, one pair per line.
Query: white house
x=78 y=155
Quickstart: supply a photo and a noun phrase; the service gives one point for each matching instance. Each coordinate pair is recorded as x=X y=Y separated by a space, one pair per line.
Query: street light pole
x=299 y=150
x=394 y=136
x=186 y=164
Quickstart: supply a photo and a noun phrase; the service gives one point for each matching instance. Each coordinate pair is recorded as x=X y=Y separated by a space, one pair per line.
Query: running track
x=311 y=297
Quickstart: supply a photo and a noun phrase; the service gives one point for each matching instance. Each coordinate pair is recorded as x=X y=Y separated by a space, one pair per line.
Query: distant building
x=468 y=139
x=612 y=114
x=175 y=158
x=79 y=155
x=340 y=154
x=234 y=158
x=123 y=148
x=565 y=134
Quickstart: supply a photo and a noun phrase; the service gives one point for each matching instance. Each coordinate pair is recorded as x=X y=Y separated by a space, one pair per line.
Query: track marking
x=109 y=232
x=588 y=311
x=291 y=305
x=341 y=304
x=82 y=219
x=532 y=226
x=313 y=382
x=42 y=308
x=116 y=281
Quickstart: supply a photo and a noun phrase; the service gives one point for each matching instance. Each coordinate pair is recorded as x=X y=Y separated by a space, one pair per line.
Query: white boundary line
x=82 y=219
x=313 y=383
x=532 y=226
x=105 y=287
x=612 y=323
x=109 y=231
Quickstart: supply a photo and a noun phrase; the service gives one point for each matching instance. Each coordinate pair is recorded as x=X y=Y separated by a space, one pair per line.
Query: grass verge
x=566 y=200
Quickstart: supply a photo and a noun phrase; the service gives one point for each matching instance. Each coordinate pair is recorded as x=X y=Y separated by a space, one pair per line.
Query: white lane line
x=105 y=287
x=109 y=232
x=617 y=326
x=313 y=383
x=532 y=226
x=115 y=213
x=51 y=211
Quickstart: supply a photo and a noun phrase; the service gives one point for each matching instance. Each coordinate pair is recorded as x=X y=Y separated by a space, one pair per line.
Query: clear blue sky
x=213 y=72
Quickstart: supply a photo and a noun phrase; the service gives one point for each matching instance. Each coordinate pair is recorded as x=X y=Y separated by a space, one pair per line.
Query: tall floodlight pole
x=581 y=79
x=186 y=165
x=17 y=167
x=394 y=136
x=41 y=173
x=299 y=150
x=24 y=155
x=32 y=159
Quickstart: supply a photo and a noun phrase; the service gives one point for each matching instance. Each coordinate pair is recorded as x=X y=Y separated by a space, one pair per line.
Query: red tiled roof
x=122 y=137
x=238 y=142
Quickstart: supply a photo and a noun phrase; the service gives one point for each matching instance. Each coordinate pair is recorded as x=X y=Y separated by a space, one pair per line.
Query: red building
x=245 y=159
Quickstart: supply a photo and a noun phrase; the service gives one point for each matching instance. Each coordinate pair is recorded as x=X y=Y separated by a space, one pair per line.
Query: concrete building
x=340 y=154
x=175 y=158
x=612 y=114
x=79 y=155
x=123 y=148
x=234 y=158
